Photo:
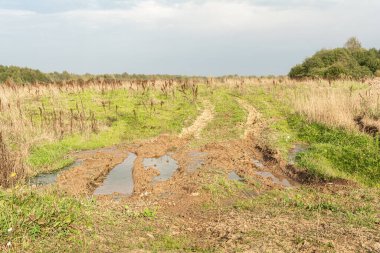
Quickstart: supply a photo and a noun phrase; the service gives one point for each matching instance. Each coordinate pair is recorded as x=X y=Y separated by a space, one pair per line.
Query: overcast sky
x=190 y=37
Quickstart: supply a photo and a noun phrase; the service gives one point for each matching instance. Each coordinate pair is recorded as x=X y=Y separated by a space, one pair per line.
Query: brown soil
x=253 y=124
x=201 y=122
x=223 y=157
x=181 y=199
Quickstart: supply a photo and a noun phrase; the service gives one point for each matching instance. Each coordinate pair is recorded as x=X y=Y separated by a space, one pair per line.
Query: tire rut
x=200 y=123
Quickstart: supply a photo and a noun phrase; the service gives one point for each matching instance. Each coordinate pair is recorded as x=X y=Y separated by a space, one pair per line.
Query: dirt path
x=252 y=124
x=202 y=199
x=201 y=122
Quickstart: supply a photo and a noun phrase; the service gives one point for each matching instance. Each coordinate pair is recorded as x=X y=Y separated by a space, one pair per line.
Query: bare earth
x=201 y=122
x=186 y=209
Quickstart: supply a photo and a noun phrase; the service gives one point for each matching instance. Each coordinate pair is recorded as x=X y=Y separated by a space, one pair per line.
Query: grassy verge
x=358 y=208
x=228 y=120
x=333 y=152
x=337 y=153
x=35 y=221
x=134 y=119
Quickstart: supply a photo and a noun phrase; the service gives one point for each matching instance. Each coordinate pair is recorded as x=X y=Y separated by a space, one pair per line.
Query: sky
x=187 y=37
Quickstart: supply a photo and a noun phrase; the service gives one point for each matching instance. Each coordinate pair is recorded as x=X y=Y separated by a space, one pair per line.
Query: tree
x=353 y=61
x=353 y=43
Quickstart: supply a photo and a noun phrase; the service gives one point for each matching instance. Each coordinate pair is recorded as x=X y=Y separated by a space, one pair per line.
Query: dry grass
x=336 y=104
x=34 y=114
x=40 y=113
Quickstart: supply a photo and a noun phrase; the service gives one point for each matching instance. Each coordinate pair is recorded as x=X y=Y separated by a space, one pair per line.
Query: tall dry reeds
x=336 y=104
x=10 y=170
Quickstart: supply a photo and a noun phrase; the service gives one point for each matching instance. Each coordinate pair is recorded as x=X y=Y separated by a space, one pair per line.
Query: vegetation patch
x=352 y=61
x=355 y=207
x=333 y=153
x=228 y=119
x=124 y=117
x=338 y=153
x=33 y=220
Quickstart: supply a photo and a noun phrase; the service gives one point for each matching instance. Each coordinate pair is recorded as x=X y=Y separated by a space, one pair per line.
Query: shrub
x=351 y=61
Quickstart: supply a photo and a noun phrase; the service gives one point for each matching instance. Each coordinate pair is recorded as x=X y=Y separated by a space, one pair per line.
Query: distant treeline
x=18 y=75
x=352 y=61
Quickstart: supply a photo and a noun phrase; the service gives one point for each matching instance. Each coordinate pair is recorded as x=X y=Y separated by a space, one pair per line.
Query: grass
x=356 y=207
x=338 y=153
x=223 y=187
x=334 y=152
x=131 y=122
x=33 y=220
x=49 y=221
x=228 y=119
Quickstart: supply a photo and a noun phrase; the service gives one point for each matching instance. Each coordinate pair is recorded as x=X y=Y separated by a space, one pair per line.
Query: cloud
x=180 y=36
x=192 y=16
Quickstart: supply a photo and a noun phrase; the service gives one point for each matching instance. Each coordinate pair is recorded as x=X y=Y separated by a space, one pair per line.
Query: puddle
x=235 y=177
x=258 y=164
x=275 y=180
x=196 y=160
x=164 y=164
x=120 y=179
x=51 y=178
x=297 y=148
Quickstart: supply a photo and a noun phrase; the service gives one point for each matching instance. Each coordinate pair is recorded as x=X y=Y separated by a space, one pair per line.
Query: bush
x=349 y=62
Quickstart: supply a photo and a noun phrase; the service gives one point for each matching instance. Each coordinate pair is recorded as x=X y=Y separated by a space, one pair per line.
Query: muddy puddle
x=196 y=160
x=258 y=164
x=164 y=164
x=265 y=174
x=234 y=176
x=120 y=179
x=297 y=149
x=51 y=178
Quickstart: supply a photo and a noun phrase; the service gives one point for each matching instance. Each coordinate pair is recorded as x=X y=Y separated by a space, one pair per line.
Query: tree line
x=23 y=75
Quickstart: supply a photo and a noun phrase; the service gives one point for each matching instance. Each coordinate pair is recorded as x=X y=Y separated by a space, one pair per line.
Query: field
x=260 y=165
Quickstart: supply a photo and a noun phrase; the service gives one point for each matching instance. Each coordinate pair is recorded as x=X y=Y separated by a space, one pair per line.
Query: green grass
x=31 y=220
x=279 y=134
x=355 y=207
x=131 y=122
x=337 y=153
x=333 y=152
x=228 y=120
x=221 y=186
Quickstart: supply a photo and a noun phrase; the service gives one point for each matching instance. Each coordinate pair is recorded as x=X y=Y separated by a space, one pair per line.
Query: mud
x=86 y=177
x=180 y=173
x=201 y=122
x=168 y=170
x=120 y=179
x=235 y=177
x=195 y=161
x=253 y=123
x=164 y=164
x=258 y=164
x=267 y=175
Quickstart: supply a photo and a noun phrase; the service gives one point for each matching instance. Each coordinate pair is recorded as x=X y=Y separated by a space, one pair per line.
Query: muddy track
x=182 y=198
x=253 y=123
x=238 y=156
x=216 y=160
x=200 y=123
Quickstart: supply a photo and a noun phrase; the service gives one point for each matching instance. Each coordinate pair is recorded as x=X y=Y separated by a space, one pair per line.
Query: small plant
x=149 y=213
